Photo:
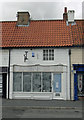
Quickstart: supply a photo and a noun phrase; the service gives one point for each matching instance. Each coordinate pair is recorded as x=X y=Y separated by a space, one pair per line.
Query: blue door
x=78 y=84
x=57 y=83
x=75 y=87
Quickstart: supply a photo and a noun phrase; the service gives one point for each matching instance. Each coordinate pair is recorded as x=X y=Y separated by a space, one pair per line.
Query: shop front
x=3 y=81
x=78 y=81
x=39 y=82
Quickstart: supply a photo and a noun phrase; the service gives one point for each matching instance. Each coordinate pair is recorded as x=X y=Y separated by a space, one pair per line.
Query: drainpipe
x=70 y=70
x=9 y=74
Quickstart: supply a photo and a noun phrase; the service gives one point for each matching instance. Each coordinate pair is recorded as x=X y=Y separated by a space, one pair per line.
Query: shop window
x=48 y=54
x=80 y=84
x=46 y=82
x=32 y=82
x=36 y=82
x=27 y=82
x=17 y=82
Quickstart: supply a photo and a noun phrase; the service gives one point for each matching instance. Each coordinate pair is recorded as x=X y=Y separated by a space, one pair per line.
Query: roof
x=41 y=33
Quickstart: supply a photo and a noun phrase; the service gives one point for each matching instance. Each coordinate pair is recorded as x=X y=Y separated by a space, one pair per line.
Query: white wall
x=61 y=56
x=17 y=57
x=4 y=58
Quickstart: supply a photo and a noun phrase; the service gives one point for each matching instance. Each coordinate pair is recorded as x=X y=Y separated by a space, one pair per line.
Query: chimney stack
x=23 y=18
x=71 y=16
x=65 y=16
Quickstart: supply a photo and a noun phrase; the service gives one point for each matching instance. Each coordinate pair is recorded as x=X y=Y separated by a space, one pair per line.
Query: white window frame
x=47 y=55
x=32 y=82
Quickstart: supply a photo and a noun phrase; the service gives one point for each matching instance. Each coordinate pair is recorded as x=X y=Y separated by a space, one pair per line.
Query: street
x=41 y=109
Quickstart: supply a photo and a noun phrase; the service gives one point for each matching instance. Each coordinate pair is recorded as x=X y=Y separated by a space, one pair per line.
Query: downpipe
x=9 y=74
x=70 y=70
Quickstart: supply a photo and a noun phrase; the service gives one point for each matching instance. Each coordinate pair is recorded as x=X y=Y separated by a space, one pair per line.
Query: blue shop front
x=78 y=81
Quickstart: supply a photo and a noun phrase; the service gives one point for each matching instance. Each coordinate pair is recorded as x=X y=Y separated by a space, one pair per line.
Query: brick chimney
x=65 y=15
x=23 y=18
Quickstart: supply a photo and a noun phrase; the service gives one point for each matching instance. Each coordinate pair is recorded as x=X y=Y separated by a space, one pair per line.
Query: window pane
x=57 y=83
x=49 y=51
x=46 y=51
x=50 y=54
x=52 y=58
x=46 y=58
x=43 y=51
x=46 y=82
x=17 y=82
x=43 y=58
x=52 y=51
x=27 y=82
x=36 y=82
x=46 y=54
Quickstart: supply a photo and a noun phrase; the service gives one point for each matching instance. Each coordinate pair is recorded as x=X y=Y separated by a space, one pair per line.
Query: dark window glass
x=17 y=82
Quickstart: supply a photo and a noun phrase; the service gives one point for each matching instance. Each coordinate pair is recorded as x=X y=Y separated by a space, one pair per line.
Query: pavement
x=57 y=104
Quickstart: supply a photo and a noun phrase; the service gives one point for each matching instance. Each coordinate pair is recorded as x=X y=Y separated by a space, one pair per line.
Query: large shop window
x=17 y=82
x=27 y=82
x=36 y=83
x=46 y=82
x=32 y=82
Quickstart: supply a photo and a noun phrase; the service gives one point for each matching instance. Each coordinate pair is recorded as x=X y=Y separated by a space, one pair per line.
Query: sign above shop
x=26 y=56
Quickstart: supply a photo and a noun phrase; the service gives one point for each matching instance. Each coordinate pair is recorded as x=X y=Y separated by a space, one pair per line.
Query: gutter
x=31 y=47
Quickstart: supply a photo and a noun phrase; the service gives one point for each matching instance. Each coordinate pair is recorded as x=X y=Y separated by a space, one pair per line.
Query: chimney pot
x=65 y=10
x=65 y=16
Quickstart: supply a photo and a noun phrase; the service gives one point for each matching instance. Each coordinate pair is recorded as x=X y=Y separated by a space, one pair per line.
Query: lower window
x=17 y=81
x=46 y=82
x=27 y=82
x=32 y=82
x=36 y=82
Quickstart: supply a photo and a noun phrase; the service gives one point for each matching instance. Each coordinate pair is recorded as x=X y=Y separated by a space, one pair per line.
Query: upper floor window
x=48 y=54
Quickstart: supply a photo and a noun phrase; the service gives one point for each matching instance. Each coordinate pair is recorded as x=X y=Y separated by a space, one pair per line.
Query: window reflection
x=27 y=82
x=36 y=83
x=46 y=82
x=17 y=82
x=32 y=82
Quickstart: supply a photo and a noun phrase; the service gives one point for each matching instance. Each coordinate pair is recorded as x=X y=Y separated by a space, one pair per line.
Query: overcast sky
x=38 y=9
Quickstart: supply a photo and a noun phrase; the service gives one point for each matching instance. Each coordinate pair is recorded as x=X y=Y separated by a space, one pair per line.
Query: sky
x=39 y=9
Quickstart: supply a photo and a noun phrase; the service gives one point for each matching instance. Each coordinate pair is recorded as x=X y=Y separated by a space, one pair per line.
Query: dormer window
x=48 y=54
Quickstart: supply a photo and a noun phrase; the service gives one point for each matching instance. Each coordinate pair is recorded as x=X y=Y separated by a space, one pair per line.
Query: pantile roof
x=41 y=33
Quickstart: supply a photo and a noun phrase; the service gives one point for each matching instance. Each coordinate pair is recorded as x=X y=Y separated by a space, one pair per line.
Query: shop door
x=80 y=80
x=57 y=86
x=4 y=78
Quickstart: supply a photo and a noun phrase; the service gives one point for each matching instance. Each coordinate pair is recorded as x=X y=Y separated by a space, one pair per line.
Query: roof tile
x=41 y=34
